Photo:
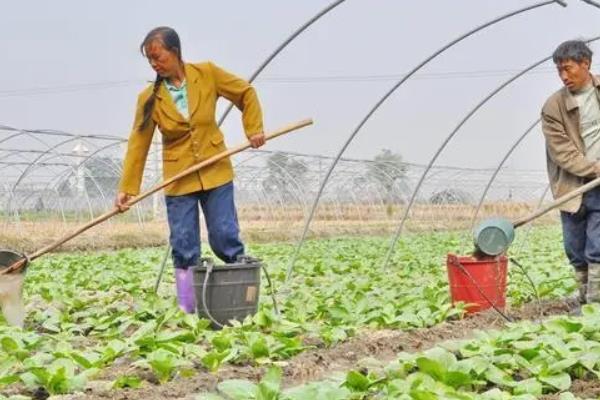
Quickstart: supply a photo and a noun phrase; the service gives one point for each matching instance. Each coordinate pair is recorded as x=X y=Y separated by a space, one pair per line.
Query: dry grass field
x=262 y=224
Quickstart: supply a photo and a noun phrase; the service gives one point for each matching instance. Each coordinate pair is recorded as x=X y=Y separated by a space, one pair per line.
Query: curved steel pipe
x=530 y=226
x=278 y=50
x=282 y=46
x=34 y=162
x=447 y=140
x=40 y=157
x=497 y=170
x=384 y=98
x=591 y=2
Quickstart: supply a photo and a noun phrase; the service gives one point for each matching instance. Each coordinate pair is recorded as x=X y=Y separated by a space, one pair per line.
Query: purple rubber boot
x=185 y=290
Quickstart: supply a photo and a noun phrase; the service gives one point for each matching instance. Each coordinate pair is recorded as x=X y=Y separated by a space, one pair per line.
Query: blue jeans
x=581 y=231
x=221 y=221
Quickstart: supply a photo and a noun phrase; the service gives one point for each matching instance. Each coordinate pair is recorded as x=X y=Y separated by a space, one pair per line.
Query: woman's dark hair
x=170 y=41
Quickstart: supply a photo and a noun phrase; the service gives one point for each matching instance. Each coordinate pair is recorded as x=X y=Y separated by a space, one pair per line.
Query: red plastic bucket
x=477 y=282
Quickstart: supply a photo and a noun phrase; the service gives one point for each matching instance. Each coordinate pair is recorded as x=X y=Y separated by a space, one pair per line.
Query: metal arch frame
x=246 y=183
x=68 y=170
x=355 y=203
x=337 y=201
x=28 y=133
x=253 y=155
x=40 y=156
x=32 y=133
x=509 y=153
x=277 y=201
x=72 y=169
x=10 y=195
x=282 y=46
x=19 y=133
x=7 y=128
x=59 y=178
x=36 y=132
x=295 y=183
x=382 y=197
x=47 y=164
x=93 y=180
x=387 y=95
x=270 y=203
x=449 y=138
x=55 y=132
x=35 y=161
x=530 y=227
x=58 y=197
x=398 y=232
x=13 y=153
x=117 y=169
x=10 y=192
x=498 y=168
x=112 y=165
x=591 y=2
x=278 y=50
x=262 y=202
x=253 y=175
x=395 y=182
x=377 y=200
x=298 y=190
x=315 y=175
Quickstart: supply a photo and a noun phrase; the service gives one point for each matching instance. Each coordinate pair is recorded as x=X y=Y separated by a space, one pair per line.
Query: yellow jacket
x=189 y=141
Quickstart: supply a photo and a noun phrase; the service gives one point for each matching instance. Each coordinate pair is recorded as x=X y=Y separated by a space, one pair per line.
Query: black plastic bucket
x=227 y=292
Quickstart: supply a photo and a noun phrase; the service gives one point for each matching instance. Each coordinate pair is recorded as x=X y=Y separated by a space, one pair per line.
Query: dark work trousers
x=581 y=231
x=221 y=221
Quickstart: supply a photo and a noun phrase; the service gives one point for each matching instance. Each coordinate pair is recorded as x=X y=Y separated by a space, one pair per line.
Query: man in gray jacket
x=571 y=126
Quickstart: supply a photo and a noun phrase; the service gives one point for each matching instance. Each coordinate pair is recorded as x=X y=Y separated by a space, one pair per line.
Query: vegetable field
x=346 y=329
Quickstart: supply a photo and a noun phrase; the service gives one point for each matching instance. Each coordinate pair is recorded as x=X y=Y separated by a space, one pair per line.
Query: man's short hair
x=576 y=50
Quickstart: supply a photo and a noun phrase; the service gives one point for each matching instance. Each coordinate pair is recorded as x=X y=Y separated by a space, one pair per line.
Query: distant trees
x=387 y=170
x=284 y=175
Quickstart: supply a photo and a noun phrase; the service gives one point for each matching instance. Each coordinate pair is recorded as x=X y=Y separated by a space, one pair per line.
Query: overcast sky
x=74 y=65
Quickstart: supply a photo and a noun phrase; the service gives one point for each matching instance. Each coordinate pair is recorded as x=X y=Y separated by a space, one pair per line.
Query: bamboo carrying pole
x=21 y=263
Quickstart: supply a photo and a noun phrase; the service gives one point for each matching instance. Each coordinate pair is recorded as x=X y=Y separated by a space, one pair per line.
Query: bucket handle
x=468 y=274
x=209 y=267
x=248 y=259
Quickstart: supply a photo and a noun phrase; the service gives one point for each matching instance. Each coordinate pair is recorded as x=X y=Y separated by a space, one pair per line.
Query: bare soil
x=585 y=389
x=321 y=362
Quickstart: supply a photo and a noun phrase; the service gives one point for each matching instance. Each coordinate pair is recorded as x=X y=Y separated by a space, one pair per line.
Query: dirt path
x=321 y=362
x=580 y=388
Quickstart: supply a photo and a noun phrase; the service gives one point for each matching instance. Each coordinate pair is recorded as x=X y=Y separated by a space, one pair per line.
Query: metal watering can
x=494 y=236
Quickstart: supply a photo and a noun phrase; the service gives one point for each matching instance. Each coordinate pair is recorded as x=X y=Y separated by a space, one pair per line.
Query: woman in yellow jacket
x=182 y=103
